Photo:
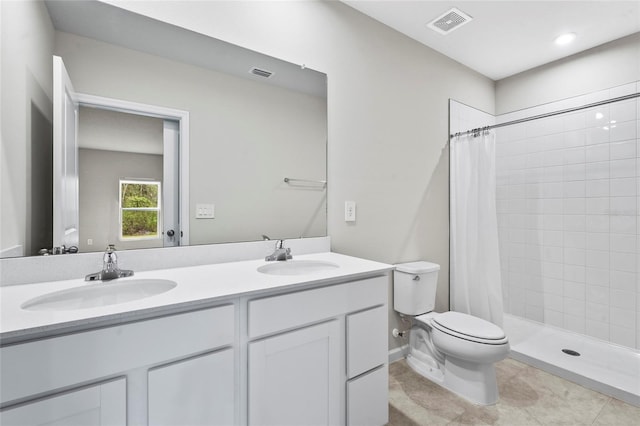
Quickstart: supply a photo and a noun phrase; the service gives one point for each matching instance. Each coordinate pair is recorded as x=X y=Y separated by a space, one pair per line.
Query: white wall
x=610 y=65
x=118 y=131
x=100 y=173
x=26 y=37
x=388 y=119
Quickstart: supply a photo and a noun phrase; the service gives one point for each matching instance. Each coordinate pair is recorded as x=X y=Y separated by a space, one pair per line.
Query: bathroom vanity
x=298 y=344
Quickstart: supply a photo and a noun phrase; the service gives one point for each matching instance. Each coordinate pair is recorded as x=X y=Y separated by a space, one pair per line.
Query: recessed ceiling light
x=565 y=39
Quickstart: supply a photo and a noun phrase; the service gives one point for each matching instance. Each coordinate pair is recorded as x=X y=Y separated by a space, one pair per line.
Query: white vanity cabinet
x=304 y=353
x=177 y=359
x=319 y=356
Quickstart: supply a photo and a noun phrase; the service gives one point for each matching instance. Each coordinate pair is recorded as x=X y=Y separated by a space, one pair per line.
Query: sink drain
x=571 y=352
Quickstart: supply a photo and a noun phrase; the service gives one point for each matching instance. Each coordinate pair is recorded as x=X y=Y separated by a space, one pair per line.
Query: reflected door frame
x=65 y=159
x=182 y=133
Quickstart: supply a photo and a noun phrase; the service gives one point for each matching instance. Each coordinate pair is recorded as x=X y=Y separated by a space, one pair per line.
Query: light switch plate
x=349 y=211
x=205 y=211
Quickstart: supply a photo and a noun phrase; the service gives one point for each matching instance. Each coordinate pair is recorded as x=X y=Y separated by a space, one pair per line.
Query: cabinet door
x=294 y=378
x=99 y=405
x=196 y=391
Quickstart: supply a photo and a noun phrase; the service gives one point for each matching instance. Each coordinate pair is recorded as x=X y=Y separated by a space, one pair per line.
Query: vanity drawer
x=277 y=313
x=366 y=340
x=84 y=357
x=368 y=398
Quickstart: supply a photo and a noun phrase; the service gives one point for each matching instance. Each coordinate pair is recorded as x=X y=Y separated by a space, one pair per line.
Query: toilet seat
x=466 y=327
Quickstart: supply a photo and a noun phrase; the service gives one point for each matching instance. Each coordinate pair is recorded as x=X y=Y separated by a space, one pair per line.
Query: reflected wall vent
x=449 y=21
x=260 y=72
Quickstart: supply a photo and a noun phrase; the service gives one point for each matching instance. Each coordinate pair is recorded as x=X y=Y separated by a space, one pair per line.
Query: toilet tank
x=414 y=287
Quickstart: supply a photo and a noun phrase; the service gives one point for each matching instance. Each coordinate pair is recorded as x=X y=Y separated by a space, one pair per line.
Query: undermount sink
x=297 y=267
x=102 y=294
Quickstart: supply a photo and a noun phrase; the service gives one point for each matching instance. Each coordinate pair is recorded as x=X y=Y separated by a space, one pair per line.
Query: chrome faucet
x=281 y=253
x=110 y=269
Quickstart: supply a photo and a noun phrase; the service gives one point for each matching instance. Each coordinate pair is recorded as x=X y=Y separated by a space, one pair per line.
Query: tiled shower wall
x=463 y=117
x=568 y=215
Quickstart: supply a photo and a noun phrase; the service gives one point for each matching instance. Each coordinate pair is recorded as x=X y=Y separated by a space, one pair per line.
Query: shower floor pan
x=604 y=367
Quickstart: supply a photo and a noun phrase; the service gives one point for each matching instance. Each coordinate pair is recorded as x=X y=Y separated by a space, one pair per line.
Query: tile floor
x=528 y=396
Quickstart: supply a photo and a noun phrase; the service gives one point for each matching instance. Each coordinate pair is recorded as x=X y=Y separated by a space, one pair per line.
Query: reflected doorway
x=121 y=129
x=127 y=180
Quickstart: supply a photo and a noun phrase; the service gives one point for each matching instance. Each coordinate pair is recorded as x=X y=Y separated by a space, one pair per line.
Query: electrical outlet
x=205 y=211
x=349 y=211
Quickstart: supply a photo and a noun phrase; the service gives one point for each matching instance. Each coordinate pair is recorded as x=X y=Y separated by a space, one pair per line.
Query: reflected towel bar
x=291 y=180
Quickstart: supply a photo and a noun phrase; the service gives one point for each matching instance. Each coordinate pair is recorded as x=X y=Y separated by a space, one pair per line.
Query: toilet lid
x=416 y=268
x=468 y=325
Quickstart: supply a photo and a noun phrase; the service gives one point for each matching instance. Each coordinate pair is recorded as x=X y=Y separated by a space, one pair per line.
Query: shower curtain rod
x=476 y=132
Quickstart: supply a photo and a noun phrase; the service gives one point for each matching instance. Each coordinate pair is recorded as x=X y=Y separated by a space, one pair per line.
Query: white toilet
x=452 y=349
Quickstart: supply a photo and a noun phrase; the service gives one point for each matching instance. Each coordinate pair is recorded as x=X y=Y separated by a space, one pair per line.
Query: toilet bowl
x=455 y=350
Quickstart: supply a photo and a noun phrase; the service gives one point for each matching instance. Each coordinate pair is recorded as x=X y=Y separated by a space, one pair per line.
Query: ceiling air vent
x=260 y=72
x=449 y=21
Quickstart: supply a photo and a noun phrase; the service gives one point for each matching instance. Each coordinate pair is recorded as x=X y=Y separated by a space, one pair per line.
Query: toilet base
x=430 y=372
x=444 y=361
x=474 y=382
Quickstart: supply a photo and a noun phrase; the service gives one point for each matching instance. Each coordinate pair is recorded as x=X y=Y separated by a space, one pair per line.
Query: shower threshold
x=595 y=364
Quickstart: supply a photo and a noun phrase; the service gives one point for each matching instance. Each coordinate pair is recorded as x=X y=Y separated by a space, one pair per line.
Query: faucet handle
x=110 y=255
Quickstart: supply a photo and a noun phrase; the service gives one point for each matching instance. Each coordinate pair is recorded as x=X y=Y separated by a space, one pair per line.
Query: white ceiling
x=508 y=37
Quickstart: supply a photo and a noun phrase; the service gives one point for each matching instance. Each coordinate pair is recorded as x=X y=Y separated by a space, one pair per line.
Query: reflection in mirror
x=117 y=147
x=40 y=228
x=247 y=132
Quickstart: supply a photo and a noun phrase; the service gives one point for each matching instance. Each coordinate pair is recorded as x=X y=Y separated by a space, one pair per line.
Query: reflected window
x=140 y=212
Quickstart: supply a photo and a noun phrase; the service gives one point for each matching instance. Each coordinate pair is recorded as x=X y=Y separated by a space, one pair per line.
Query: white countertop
x=197 y=286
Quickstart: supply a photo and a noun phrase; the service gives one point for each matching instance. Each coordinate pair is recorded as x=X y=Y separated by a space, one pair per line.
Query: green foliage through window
x=139 y=209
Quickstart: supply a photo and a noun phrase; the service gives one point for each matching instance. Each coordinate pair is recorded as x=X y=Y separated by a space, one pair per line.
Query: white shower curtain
x=476 y=286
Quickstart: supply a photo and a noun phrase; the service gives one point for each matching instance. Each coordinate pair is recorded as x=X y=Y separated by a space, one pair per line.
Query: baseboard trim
x=396 y=354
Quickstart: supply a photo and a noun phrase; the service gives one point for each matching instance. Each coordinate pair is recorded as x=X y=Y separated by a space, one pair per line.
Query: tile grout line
x=601 y=410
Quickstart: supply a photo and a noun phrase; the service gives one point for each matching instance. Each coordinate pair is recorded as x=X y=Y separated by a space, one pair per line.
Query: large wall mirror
x=257 y=134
